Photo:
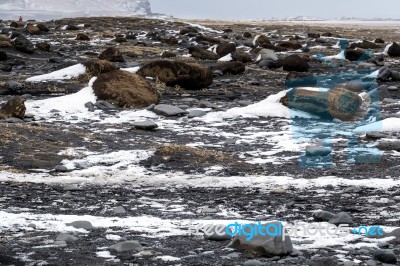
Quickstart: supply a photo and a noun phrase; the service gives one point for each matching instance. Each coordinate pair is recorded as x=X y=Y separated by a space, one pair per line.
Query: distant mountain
x=58 y=8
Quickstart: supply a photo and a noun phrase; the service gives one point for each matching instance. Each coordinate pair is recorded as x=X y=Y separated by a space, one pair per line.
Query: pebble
x=168 y=110
x=81 y=225
x=66 y=238
x=145 y=125
x=196 y=113
x=127 y=246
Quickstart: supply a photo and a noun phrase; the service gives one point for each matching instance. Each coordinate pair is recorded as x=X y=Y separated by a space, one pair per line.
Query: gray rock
x=371 y=263
x=14 y=120
x=314 y=151
x=81 y=225
x=376 y=135
x=127 y=246
x=392 y=88
x=168 y=110
x=322 y=261
x=266 y=54
x=264 y=245
x=395 y=233
x=322 y=216
x=13 y=86
x=145 y=125
x=341 y=218
x=61 y=169
x=196 y=113
x=118 y=210
x=216 y=232
x=61 y=244
x=90 y=106
x=253 y=263
x=103 y=105
x=385 y=256
x=66 y=238
x=206 y=104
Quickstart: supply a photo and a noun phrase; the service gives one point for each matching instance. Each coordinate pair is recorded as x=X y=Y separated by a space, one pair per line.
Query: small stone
x=128 y=246
x=206 y=104
x=314 y=151
x=66 y=238
x=253 y=263
x=146 y=253
x=118 y=210
x=61 y=169
x=341 y=218
x=145 y=125
x=216 y=232
x=61 y=244
x=168 y=110
x=81 y=225
x=278 y=191
x=322 y=261
x=103 y=105
x=196 y=113
x=90 y=106
x=323 y=216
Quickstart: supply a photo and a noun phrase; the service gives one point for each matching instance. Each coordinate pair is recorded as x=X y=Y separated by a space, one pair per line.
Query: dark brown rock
x=112 y=54
x=32 y=29
x=289 y=45
x=263 y=41
x=44 y=46
x=203 y=54
x=233 y=68
x=13 y=108
x=82 y=37
x=125 y=89
x=185 y=75
x=241 y=56
x=394 y=50
x=295 y=63
x=225 y=48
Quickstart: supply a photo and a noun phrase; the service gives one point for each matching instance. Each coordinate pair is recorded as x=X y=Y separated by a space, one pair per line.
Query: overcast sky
x=259 y=9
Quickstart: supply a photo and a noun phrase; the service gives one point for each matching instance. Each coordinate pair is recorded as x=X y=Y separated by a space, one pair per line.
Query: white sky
x=259 y=9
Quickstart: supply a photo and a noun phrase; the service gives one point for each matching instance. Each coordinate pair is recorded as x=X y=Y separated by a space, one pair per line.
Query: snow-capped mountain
x=87 y=7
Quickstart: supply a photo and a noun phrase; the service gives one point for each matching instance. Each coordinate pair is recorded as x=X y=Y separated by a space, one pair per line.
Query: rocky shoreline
x=117 y=133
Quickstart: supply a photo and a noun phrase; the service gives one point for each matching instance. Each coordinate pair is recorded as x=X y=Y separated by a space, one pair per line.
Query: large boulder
x=269 y=245
x=173 y=73
x=336 y=103
x=394 y=50
x=22 y=44
x=202 y=54
x=32 y=29
x=225 y=48
x=262 y=41
x=125 y=89
x=42 y=27
x=356 y=55
x=241 y=56
x=13 y=108
x=295 y=63
x=112 y=54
